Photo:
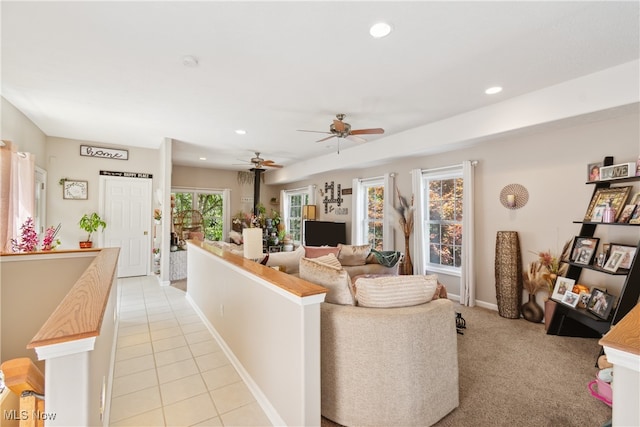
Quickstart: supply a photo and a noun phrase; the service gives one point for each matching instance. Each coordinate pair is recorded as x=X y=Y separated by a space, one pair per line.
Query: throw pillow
x=353 y=255
x=289 y=260
x=335 y=279
x=317 y=251
x=395 y=291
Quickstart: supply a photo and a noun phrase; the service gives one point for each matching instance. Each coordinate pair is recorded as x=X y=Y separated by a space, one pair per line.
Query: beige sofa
x=390 y=366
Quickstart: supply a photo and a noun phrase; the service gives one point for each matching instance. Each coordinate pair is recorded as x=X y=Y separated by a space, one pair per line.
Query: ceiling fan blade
x=324 y=139
x=272 y=165
x=356 y=138
x=314 y=131
x=367 y=131
x=338 y=125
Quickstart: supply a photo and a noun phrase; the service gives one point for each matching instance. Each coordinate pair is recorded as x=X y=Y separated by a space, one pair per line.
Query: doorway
x=126 y=208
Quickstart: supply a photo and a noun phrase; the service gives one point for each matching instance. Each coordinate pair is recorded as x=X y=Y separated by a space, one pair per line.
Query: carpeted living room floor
x=512 y=374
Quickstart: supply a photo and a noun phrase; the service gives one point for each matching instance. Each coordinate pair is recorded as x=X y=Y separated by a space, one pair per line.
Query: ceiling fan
x=341 y=129
x=258 y=162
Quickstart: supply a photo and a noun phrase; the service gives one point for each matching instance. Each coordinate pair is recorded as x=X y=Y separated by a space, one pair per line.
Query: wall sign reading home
x=104 y=153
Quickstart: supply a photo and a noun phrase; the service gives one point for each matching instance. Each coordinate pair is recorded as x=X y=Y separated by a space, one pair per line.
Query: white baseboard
x=482 y=304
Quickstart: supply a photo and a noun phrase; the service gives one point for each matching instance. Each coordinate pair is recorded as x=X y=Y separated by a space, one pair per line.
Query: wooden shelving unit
x=577 y=322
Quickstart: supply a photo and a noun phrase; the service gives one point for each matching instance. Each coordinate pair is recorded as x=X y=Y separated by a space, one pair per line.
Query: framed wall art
x=75 y=190
x=614 y=197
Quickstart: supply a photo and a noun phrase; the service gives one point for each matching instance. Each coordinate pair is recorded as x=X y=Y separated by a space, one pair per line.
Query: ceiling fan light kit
x=341 y=129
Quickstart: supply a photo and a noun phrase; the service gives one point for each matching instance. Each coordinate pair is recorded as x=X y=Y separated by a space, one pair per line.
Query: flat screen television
x=320 y=233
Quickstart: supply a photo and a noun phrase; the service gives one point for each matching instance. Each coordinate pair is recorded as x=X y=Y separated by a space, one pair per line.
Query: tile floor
x=169 y=370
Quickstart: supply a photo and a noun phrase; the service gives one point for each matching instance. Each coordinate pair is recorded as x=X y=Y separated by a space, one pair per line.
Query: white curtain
x=17 y=184
x=226 y=214
x=417 y=186
x=357 y=213
x=467 y=279
x=311 y=189
x=388 y=241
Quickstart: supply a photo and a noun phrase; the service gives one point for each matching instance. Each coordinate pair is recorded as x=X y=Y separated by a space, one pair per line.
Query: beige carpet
x=513 y=374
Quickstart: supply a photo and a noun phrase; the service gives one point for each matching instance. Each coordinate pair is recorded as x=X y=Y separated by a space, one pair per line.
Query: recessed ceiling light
x=241 y=131
x=493 y=90
x=190 y=61
x=203 y=158
x=379 y=30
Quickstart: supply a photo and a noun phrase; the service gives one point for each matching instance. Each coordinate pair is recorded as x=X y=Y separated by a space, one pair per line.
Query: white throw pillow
x=395 y=291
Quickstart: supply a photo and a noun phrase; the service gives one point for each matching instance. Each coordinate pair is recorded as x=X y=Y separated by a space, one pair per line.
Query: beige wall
x=551 y=164
x=202 y=178
x=17 y=128
x=64 y=161
x=29 y=293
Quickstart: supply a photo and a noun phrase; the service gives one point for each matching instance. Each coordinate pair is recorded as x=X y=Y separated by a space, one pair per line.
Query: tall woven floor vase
x=508 y=274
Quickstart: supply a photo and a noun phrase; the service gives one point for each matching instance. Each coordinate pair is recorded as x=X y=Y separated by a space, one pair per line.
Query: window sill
x=430 y=268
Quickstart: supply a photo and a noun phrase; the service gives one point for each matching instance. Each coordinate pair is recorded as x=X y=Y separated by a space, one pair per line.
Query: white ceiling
x=112 y=72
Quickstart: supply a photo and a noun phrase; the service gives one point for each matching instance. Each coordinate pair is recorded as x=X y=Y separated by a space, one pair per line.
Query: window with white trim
x=372 y=222
x=209 y=203
x=443 y=212
x=294 y=201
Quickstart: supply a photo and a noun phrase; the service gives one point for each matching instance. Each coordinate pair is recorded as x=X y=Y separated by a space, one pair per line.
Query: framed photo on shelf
x=570 y=298
x=75 y=190
x=626 y=214
x=593 y=171
x=629 y=253
x=584 y=249
x=563 y=285
x=613 y=263
x=600 y=303
x=583 y=298
x=615 y=197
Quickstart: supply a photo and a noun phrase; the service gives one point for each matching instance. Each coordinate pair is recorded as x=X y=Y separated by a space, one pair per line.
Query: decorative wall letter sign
x=104 y=153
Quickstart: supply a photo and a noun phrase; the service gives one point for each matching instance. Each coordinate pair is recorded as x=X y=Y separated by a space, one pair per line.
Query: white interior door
x=126 y=209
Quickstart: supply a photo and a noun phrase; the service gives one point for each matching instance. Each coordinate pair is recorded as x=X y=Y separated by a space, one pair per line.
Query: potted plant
x=90 y=224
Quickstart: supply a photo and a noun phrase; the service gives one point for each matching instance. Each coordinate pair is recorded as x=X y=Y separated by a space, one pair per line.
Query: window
x=209 y=203
x=295 y=200
x=373 y=195
x=443 y=213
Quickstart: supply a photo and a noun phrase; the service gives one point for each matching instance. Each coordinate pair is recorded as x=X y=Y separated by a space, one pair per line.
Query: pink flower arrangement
x=49 y=241
x=28 y=241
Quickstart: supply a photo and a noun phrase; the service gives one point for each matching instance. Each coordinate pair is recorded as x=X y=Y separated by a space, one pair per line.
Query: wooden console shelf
x=576 y=322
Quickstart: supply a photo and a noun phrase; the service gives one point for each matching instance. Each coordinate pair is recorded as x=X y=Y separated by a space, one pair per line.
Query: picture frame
x=600 y=303
x=75 y=190
x=570 y=298
x=629 y=254
x=593 y=171
x=563 y=285
x=615 y=197
x=584 y=249
x=613 y=263
x=626 y=213
x=584 y=298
